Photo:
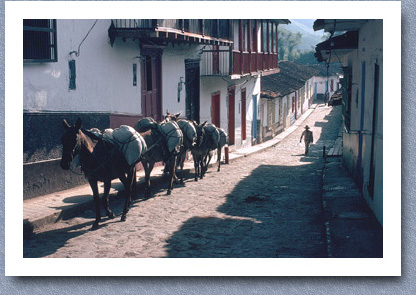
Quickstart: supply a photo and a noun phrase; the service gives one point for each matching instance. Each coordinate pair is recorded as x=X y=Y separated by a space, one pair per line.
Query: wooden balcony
x=230 y=63
x=252 y=62
x=215 y=63
x=208 y=31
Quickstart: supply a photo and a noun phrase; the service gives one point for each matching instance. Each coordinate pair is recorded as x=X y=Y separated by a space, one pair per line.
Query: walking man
x=308 y=138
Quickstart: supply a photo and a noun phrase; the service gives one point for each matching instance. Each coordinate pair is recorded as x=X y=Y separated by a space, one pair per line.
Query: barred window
x=39 y=40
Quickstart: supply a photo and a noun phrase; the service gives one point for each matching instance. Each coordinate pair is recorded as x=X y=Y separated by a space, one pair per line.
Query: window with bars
x=39 y=40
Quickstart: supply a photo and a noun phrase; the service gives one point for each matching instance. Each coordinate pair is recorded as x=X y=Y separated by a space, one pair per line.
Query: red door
x=215 y=109
x=243 y=114
x=231 y=116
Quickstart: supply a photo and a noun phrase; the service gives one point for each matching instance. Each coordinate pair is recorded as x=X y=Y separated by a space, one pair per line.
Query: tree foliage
x=307 y=58
x=288 y=43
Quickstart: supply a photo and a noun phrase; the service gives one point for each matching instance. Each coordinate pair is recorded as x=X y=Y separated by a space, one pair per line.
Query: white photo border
x=389 y=265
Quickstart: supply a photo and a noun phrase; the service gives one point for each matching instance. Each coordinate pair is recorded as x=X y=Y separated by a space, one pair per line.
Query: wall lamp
x=180 y=88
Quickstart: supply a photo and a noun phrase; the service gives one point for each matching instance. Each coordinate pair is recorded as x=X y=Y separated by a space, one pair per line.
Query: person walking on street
x=308 y=138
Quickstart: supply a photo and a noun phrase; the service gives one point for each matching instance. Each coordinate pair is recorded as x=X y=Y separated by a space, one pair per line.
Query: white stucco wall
x=370 y=48
x=370 y=44
x=210 y=85
x=321 y=81
x=173 y=68
x=104 y=74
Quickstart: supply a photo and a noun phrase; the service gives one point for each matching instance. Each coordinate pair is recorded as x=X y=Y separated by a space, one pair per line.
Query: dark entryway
x=192 y=87
x=215 y=109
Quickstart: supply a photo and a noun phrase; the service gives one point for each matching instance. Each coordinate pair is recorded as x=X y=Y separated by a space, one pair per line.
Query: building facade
x=288 y=94
x=360 y=49
x=114 y=72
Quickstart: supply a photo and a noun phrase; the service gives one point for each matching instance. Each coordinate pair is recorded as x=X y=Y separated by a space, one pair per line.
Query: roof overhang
x=340 y=45
x=338 y=25
x=269 y=94
x=281 y=21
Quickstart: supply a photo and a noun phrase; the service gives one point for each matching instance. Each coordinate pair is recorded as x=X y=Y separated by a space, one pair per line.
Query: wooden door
x=231 y=115
x=215 y=109
x=151 y=73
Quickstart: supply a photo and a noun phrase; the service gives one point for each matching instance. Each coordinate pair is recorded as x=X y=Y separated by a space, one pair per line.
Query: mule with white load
x=163 y=141
x=103 y=157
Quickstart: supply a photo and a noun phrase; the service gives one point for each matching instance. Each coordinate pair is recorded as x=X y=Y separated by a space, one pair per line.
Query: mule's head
x=200 y=134
x=172 y=117
x=70 y=143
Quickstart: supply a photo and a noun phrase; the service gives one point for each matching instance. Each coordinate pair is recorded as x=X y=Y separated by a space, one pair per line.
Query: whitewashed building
x=289 y=93
x=360 y=49
x=114 y=72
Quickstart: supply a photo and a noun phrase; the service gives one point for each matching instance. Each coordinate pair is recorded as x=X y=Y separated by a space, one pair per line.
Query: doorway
x=151 y=82
x=192 y=87
x=215 y=108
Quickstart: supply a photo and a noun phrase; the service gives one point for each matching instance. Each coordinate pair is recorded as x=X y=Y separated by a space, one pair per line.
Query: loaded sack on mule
x=173 y=136
x=189 y=133
x=128 y=141
x=213 y=136
x=223 y=138
x=163 y=144
x=145 y=124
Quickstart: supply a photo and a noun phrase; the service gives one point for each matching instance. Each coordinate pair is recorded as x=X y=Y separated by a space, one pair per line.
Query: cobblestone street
x=267 y=204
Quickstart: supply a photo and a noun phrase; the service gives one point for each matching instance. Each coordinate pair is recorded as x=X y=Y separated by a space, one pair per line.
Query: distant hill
x=309 y=37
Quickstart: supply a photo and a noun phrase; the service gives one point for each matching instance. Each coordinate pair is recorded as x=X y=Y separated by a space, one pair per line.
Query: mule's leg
x=94 y=187
x=178 y=164
x=124 y=178
x=219 y=158
x=205 y=162
x=134 y=188
x=172 y=167
x=196 y=166
x=128 y=188
x=182 y=163
x=202 y=166
x=148 y=167
x=106 y=196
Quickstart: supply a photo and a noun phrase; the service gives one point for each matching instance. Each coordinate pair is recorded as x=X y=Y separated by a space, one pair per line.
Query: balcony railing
x=218 y=62
x=215 y=63
x=250 y=62
x=214 y=28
